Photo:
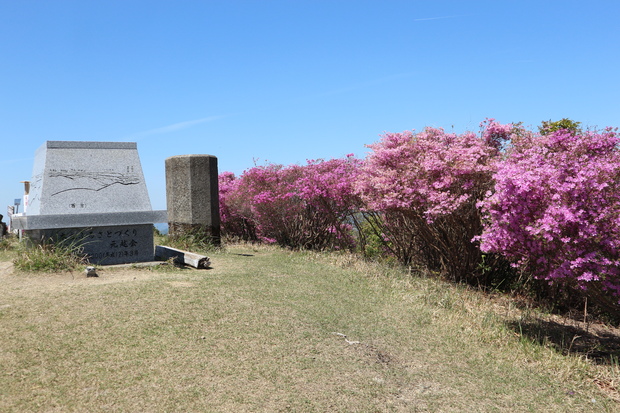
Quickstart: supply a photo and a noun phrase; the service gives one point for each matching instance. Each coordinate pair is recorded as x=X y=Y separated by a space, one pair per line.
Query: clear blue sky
x=286 y=81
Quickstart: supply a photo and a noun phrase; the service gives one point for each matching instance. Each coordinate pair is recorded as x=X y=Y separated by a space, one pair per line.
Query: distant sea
x=163 y=228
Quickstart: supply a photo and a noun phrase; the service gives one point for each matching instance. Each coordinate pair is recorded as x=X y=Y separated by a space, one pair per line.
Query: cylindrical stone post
x=192 y=196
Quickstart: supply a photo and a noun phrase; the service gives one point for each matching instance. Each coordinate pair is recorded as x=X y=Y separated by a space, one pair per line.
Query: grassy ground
x=267 y=330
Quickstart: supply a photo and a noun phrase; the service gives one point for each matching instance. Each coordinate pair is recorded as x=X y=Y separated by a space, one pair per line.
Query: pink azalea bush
x=296 y=206
x=420 y=192
x=234 y=210
x=261 y=196
x=555 y=209
x=327 y=189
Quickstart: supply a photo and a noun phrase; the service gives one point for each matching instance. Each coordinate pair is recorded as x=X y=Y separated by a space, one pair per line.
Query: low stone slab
x=183 y=257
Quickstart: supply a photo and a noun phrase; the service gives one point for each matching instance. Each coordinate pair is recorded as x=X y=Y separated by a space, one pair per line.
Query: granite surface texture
x=87 y=177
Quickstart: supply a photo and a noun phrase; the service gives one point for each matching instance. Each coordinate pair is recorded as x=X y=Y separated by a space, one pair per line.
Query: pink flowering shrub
x=262 y=197
x=296 y=206
x=420 y=193
x=555 y=209
x=233 y=210
x=327 y=189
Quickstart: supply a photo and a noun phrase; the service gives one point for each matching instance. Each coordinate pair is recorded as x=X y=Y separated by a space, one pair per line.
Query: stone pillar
x=192 y=197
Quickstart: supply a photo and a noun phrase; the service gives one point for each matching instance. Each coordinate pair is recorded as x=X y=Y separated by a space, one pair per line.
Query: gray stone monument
x=192 y=196
x=94 y=192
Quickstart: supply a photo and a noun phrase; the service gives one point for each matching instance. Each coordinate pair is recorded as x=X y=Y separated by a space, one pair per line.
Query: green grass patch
x=271 y=330
x=8 y=247
x=195 y=240
x=50 y=255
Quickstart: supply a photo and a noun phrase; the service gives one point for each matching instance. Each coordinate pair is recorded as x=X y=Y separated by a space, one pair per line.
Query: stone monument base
x=104 y=245
x=113 y=238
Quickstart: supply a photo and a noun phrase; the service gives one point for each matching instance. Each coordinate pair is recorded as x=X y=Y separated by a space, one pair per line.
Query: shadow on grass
x=597 y=343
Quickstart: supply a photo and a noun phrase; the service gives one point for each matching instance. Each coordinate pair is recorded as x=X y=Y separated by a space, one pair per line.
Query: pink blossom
x=556 y=207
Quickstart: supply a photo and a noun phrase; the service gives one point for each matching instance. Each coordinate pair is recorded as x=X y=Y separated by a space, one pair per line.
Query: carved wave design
x=94 y=181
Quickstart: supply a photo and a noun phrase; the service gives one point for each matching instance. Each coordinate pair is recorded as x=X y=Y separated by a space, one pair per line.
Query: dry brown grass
x=269 y=330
